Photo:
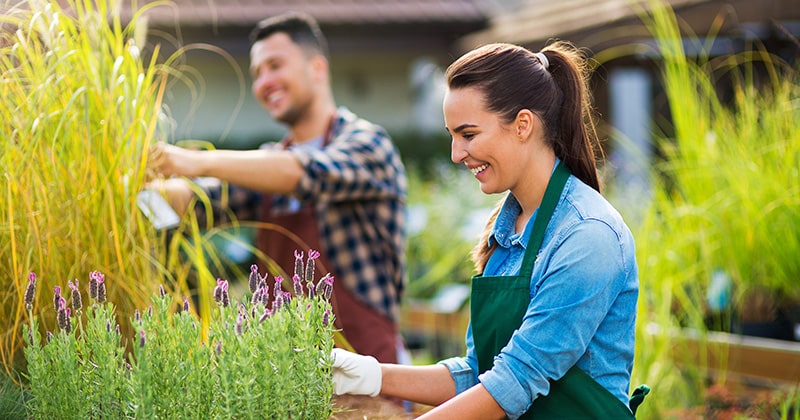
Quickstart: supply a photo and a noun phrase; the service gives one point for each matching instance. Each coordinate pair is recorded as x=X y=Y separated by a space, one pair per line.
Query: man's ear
x=320 y=66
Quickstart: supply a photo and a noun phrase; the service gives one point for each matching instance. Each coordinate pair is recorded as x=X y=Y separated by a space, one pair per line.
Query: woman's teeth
x=479 y=169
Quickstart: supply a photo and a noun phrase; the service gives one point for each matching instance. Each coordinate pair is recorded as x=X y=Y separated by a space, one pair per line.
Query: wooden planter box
x=356 y=407
x=751 y=360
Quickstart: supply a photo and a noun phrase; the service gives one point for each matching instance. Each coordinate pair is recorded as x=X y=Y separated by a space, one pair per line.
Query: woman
x=551 y=333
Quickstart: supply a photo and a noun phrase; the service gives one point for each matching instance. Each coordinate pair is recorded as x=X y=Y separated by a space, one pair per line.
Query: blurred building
x=386 y=59
x=626 y=84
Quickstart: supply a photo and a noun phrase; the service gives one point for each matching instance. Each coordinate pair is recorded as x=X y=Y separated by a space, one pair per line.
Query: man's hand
x=168 y=160
x=355 y=374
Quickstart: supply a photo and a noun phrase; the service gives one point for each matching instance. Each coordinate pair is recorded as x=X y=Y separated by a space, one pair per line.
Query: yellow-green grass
x=726 y=198
x=79 y=108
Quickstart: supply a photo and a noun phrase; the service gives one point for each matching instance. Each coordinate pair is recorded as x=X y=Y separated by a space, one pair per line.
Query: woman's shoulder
x=584 y=203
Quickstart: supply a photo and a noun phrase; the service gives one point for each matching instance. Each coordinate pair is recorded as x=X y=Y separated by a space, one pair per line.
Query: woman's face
x=492 y=150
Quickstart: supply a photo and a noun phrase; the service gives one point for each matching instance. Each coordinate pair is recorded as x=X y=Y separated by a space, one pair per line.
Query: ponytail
x=575 y=139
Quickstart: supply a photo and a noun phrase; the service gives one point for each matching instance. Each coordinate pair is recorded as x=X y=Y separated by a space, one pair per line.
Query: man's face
x=284 y=77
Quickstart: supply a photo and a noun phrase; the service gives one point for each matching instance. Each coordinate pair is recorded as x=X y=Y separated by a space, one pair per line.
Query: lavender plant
x=266 y=355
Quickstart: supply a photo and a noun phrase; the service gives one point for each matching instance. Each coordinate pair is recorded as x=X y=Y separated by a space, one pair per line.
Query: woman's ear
x=525 y=123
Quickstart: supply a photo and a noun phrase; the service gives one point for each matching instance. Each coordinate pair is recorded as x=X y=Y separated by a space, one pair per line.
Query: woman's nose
x=457 y=151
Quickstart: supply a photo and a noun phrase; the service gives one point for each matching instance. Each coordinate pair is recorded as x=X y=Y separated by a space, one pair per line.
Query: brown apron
x=364 y=328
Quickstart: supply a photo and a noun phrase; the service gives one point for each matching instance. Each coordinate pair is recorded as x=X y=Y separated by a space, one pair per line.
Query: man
x=335 y=181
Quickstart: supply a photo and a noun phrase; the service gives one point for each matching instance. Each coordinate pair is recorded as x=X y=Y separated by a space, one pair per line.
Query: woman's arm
x=429 y=385
x=474 y=403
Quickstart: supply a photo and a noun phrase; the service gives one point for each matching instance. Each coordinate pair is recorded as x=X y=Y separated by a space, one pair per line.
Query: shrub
x=267 y=356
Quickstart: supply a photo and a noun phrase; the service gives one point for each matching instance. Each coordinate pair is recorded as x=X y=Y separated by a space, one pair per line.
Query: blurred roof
x=599 y=22
x=327 y=12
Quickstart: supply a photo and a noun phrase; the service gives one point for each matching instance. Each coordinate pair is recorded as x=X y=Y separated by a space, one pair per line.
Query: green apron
x=498 y=304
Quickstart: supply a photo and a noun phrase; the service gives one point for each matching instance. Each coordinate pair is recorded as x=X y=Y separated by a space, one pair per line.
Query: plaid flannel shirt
x=358 y=187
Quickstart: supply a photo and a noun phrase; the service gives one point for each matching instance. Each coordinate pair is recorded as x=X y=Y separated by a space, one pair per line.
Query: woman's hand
x=355 y=374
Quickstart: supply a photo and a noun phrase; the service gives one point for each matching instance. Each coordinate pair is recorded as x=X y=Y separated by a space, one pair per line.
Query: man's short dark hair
x=302 y=28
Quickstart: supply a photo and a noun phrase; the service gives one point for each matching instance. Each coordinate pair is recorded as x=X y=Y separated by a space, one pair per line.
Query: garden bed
x=754 y=361
x=748 y=377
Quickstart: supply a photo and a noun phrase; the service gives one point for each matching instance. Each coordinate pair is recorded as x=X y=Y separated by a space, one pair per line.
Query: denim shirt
x=583 y=296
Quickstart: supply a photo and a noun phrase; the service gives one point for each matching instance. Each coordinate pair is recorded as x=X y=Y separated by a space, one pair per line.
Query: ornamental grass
x=80 y=104
x=722 y=220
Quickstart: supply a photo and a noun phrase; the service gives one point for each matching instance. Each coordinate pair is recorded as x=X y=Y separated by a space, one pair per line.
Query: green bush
x=258 y=361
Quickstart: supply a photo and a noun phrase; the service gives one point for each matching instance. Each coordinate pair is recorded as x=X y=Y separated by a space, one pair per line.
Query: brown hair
x=302 y=28
x=512 y=78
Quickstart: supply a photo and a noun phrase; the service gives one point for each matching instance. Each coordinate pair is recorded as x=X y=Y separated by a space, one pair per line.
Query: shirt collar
x=504 y=230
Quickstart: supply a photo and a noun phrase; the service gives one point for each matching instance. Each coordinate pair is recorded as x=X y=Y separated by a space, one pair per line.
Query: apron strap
x=543 y=215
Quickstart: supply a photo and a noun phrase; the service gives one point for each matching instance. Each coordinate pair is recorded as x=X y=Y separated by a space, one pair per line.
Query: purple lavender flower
x=226 y=299
x=149 y=312
x=221 y=293
x=101 y=286
x=48 y=336
x=137 y=316
x=287 y=298
x=328 y=289
x=298 y=263
x=30 y=291
x=252 y=281
x=256 y=297
x=310 y=265
x=277 y=303
x=320 y=288
x=185 y=304
x=298 y=285
x=56 y=297
x=161 y=291
x=108 y=326
x=62 y=317
x=218 y=347
x=93 y=285
x=267 y=313
x=311 y=289
x=326 y=317
x=262 y=284
x=239 y=329
x=68 y=324
x=142 y=338
x=278 y=289
x=77 y=302
x=218 y=292
x=264 y=295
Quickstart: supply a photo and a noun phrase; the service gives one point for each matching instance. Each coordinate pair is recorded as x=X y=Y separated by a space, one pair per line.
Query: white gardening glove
x=355 y=374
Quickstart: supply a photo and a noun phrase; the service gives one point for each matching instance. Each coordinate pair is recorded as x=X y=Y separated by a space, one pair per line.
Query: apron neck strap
x=543 y=215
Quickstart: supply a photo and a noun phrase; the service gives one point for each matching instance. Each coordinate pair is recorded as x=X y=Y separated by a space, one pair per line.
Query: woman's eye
x=468 y=136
